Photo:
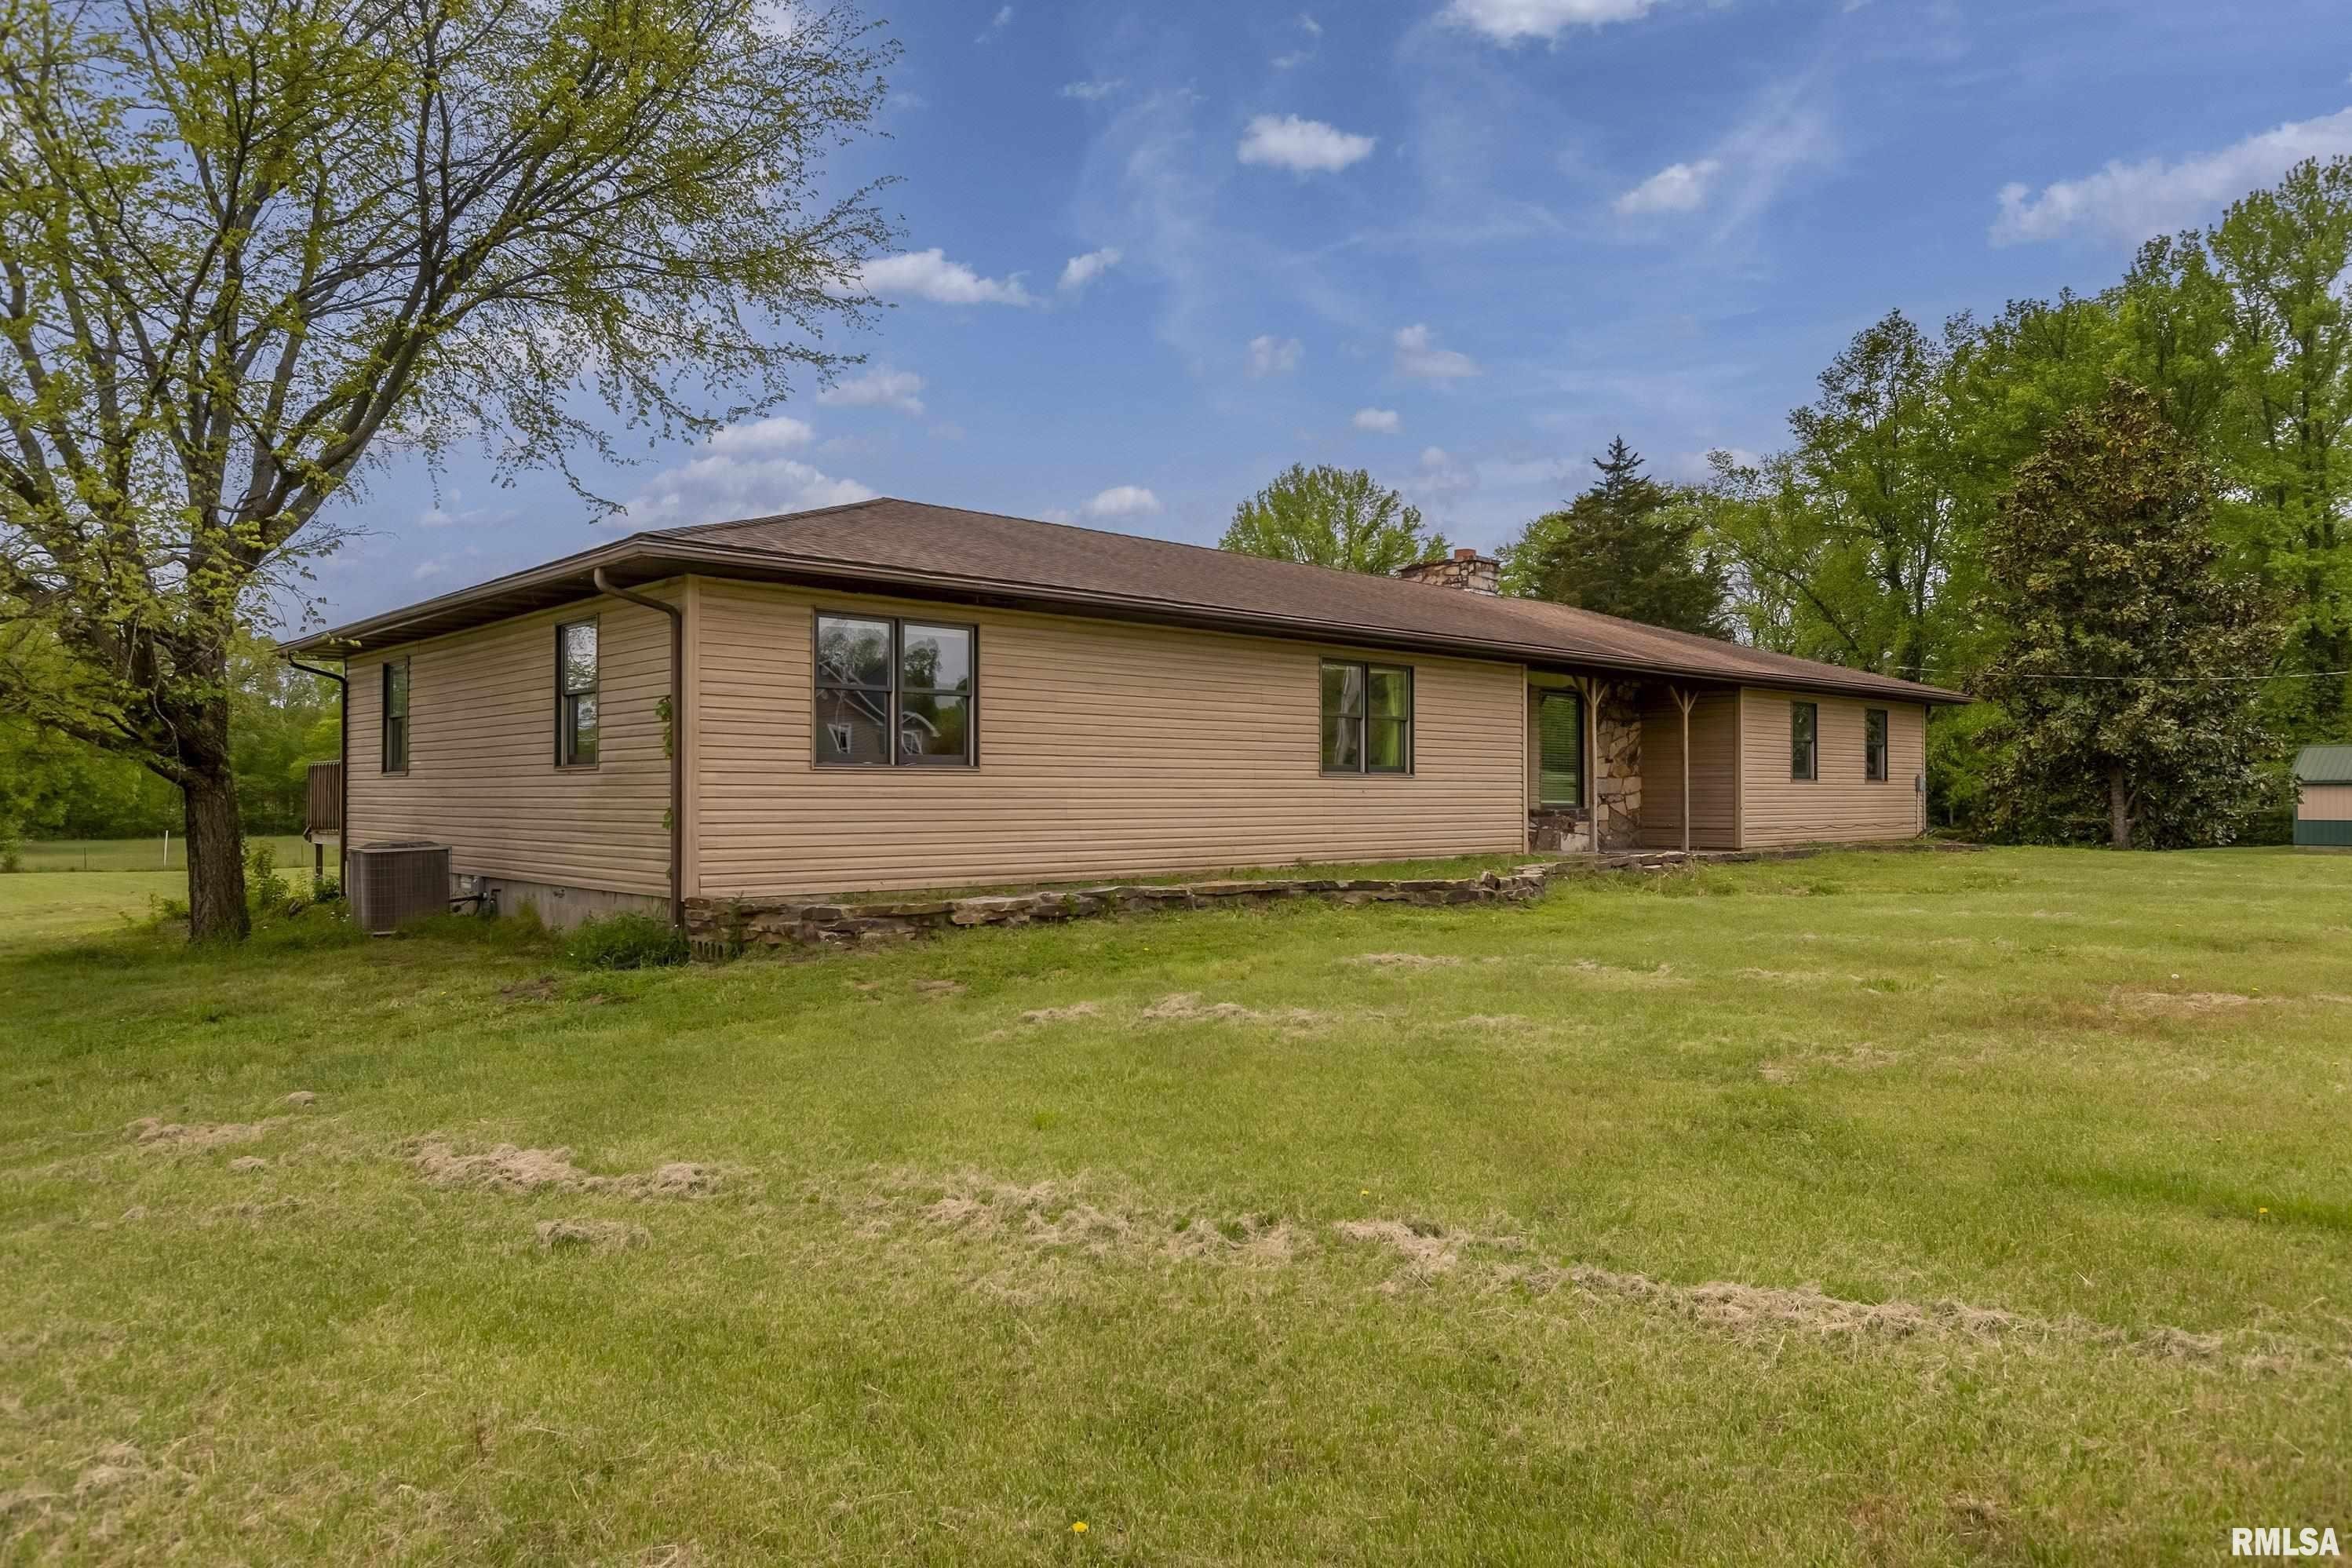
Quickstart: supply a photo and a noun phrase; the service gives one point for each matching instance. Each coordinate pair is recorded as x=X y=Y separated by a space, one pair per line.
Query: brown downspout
x=343 y=772
x=677 y=738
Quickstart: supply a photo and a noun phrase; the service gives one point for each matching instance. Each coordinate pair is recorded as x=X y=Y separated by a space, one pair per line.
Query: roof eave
x=671 y=555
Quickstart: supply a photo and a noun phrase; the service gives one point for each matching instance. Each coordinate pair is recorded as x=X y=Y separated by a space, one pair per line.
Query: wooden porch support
x=1593 y=687
x=1685 y=700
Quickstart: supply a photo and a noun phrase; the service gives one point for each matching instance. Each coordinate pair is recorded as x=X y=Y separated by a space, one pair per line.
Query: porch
x=1617 y=763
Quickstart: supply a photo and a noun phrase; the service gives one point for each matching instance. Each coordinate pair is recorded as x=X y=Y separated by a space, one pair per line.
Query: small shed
x=2322 y=796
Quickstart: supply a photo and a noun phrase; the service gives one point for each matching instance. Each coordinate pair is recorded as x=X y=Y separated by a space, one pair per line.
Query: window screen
x=1559 y=749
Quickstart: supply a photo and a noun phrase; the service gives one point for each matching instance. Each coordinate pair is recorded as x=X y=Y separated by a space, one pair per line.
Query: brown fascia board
x=669 y=557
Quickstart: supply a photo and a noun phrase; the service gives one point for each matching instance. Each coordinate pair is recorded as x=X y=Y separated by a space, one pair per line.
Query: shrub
x=266 y=892
x=624 y=941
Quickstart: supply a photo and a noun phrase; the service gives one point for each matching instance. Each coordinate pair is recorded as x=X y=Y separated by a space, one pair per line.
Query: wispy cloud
x=1676 y=188
x=743 y=471
x=1081 y=271
x=1302 y=146
x=1123 y=500
x=2129 y=202
x=881 y=387
x=929 y=274
x=1269 y=355
x=1517 y=21
x=1419 y=357
x=996 y=24
x=1300 y=56
x=1093 y=92
x=1385 y=421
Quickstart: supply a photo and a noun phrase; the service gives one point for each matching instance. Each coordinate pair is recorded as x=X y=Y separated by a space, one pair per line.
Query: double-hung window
x=1367 y=718
x=576 y=679
x=1804 y=740
x=895 y=693
x=1874 y=744
x=395 y=716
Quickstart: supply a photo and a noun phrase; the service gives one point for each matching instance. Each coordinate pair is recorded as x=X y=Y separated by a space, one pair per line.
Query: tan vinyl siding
x=1715 y=780
x=1838 y=803
x=481 y=755
x=1105 y=749
x=2325 y=803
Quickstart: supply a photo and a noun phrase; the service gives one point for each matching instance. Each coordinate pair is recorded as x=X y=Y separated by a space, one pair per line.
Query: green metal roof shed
x=2323 y=765
x=2323 y=805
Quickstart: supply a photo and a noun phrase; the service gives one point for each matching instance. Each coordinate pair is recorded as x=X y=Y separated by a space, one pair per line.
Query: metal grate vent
x=399 y=881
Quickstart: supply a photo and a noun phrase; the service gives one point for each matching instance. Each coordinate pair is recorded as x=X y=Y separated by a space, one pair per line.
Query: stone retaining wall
x=720 y=927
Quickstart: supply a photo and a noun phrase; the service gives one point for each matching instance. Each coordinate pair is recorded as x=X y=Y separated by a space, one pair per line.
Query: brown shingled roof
x=907 y=547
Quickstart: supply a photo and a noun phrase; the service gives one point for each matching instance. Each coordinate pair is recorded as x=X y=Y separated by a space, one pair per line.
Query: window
x=894 y=692
x=1559 y=747
x=575 y=695
x=1874 y=744
x=1367 y=718
x=395 y=716
x=1804 y=740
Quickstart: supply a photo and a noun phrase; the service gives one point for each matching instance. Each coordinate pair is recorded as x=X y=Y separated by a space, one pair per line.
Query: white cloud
x=436 y=567
x=1302 y=146
x=1123 y=500
x=1310 y=26
x=1269 y=355
x=1516 y=21
x=1676 y=188
x=1081 y=271
x=929 y=274
x=996 y=24
x=445 y=511
x=1441 y=477
x=1094 y=91
x=881 y=387
x=1384 y=420
x=1314 y=31
x=1418 y=356
x=743 y=471
x=2132 y=201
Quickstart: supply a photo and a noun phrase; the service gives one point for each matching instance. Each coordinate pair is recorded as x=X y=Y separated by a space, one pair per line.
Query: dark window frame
x=1876 y=748
x=1583 y=748
x=386 y=719
x=566 y=757
x=1411 y=720
x=893 y=664
x=1809 y=770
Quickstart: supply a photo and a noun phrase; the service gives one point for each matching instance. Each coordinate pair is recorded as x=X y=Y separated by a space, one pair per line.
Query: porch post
x=1592 y=687
x=1685 y=700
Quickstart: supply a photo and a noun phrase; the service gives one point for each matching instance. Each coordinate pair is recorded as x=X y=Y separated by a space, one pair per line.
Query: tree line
x=2163 y=460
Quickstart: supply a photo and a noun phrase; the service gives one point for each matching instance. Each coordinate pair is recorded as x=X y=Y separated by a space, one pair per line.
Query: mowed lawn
x=1872 y=1208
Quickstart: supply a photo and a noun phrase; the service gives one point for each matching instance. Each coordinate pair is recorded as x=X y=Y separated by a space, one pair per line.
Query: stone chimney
x=1464 y=569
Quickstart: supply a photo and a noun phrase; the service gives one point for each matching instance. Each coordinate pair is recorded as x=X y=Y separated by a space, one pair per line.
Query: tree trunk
x=2120 y=823
x=216 y=858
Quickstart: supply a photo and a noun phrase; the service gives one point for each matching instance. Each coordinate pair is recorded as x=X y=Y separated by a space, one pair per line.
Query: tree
x=245 y=247
x=2287 y=257
x=2126 y=672
x=1325 y=516
x=1858 y=533
x=1627 y=546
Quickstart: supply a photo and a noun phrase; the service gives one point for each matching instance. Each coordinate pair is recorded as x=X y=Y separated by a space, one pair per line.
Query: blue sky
x=1151 y=255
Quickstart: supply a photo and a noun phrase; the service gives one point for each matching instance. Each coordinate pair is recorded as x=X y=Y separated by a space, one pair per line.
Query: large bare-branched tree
x=247 y=246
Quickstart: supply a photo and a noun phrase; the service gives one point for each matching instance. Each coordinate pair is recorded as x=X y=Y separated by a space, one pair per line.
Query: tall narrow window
x=1367 y=718
x=1804 y=740
x=1874 y=744
x=893 y=693
x=1559 y=749
x=395 y=716
x=576 y=729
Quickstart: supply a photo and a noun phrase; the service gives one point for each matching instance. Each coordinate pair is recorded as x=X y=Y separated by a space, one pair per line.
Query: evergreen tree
x=1325 y=516
x=2123 y=672
x=1627 y=546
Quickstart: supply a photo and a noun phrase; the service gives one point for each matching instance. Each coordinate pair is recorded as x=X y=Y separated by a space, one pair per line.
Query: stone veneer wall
x=1617 y=770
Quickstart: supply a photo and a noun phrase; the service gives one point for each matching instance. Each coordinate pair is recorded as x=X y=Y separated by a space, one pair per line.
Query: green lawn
x=143 y=854
x=1868 y=1209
